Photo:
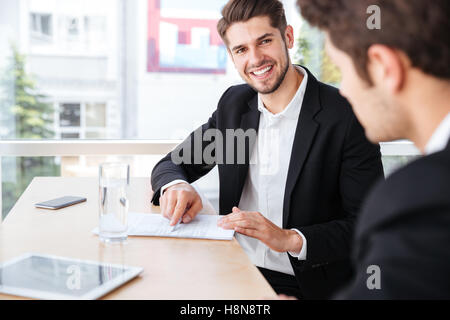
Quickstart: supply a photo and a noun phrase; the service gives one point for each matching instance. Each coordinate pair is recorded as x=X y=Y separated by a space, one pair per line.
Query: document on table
x=204 y=226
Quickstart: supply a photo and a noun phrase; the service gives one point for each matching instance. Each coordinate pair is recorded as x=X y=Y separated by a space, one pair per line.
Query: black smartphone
x=60 y=202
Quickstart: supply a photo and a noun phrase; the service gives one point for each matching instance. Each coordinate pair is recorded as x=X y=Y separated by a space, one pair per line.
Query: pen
x=172 y=228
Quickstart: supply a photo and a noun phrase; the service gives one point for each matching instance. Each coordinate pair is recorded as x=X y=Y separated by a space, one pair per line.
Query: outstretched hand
x=255 y=225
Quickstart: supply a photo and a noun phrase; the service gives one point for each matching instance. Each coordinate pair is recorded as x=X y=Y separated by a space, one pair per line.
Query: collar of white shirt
x=292 y=110
x=440 y=137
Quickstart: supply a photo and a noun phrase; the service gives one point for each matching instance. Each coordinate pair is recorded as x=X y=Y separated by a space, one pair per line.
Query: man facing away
x=292 y=189
x=397 y=78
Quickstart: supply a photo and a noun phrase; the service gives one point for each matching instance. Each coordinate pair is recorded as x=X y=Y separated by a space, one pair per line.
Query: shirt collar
x=292 y=111
x=440 y=137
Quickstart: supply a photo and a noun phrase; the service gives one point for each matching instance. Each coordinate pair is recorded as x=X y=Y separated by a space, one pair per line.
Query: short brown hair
x=419 y=28
x=243 y=10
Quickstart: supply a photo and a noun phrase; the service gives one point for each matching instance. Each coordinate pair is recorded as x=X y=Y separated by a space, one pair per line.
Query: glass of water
x=114 y=179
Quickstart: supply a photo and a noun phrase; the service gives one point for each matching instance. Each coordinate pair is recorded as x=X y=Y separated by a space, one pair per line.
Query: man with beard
x=293 y=198
x=397 y=78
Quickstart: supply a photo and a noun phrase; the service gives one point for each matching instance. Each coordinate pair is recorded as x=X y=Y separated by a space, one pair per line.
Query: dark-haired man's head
x=390 y=69
x=258 y=38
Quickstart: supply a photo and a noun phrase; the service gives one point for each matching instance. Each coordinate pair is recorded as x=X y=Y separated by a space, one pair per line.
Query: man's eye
x=239 y=51
x=265 y=41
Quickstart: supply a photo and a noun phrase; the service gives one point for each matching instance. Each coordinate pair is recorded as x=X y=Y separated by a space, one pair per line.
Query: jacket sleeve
x=360 y=167
x=186 y=161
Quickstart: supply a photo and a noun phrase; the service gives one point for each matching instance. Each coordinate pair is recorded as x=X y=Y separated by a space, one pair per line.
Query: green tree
x=25 y=115
x=303 y=52
x=329 y=73
x=311 y=53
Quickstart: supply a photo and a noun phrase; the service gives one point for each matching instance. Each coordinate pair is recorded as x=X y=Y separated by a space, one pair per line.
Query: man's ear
x=387 y=67
x=289 y=37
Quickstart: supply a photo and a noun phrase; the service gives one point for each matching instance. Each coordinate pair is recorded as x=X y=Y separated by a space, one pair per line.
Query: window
x=84 y=120
x=84 y=33
x=41 y=25
x=72 y=27
x=70 y=135
x=96 y=115
x=70 y=115
x=119 y=69
x=95 y=29
x=111 y=75
x=310 y=52
x=95 y=135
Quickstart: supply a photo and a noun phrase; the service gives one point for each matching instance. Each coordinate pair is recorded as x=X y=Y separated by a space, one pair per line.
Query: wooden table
x=173 y=268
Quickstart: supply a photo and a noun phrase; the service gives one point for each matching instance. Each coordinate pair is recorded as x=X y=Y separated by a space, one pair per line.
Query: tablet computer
x=51 y=277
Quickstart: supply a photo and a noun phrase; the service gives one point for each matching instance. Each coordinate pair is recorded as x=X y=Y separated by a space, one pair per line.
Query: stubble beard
x=280 y=79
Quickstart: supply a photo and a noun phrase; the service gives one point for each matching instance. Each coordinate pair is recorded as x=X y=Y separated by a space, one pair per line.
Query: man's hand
x=255 y=225
x=180 y=201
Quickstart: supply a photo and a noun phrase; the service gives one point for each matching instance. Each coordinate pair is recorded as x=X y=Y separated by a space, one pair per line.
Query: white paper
x=204 y=226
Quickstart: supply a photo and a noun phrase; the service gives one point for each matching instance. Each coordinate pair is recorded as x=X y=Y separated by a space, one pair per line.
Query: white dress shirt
x=266 y=180
x=440 y=137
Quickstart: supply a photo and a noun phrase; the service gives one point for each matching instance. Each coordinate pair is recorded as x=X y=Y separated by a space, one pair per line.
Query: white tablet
x=50 y=277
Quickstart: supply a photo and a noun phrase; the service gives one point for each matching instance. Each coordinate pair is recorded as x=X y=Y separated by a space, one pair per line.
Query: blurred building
x=122 y=69
x=71 y=49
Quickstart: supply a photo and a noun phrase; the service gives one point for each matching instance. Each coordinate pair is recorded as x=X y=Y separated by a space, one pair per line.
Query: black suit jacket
x=404 y=229
x=331 y=169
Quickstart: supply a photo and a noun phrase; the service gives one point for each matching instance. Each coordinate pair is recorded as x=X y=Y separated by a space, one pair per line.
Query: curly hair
x=416 y=27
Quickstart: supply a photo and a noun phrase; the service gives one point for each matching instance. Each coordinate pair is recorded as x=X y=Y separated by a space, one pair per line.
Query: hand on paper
x=180 y=201
x=255 y=225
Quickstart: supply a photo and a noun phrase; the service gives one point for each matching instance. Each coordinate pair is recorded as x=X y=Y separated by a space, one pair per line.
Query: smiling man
x=397 y=79
x=293 y=201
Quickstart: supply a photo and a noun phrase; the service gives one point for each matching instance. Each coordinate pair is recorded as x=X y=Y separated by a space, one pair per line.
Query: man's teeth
x=261 y=72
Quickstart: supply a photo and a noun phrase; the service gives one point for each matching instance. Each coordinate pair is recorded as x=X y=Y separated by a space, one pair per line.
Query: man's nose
x=256 y=58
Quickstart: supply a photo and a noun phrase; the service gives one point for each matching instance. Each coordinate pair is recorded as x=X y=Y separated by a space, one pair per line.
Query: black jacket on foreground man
x=406 y=225
x=332 y=167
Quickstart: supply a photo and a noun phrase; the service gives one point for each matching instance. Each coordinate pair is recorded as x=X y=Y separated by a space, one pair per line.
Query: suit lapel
x=249 y=120
x=304 y=137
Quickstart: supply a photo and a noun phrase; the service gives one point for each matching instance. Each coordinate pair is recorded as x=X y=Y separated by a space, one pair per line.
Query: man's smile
x=262 y=73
